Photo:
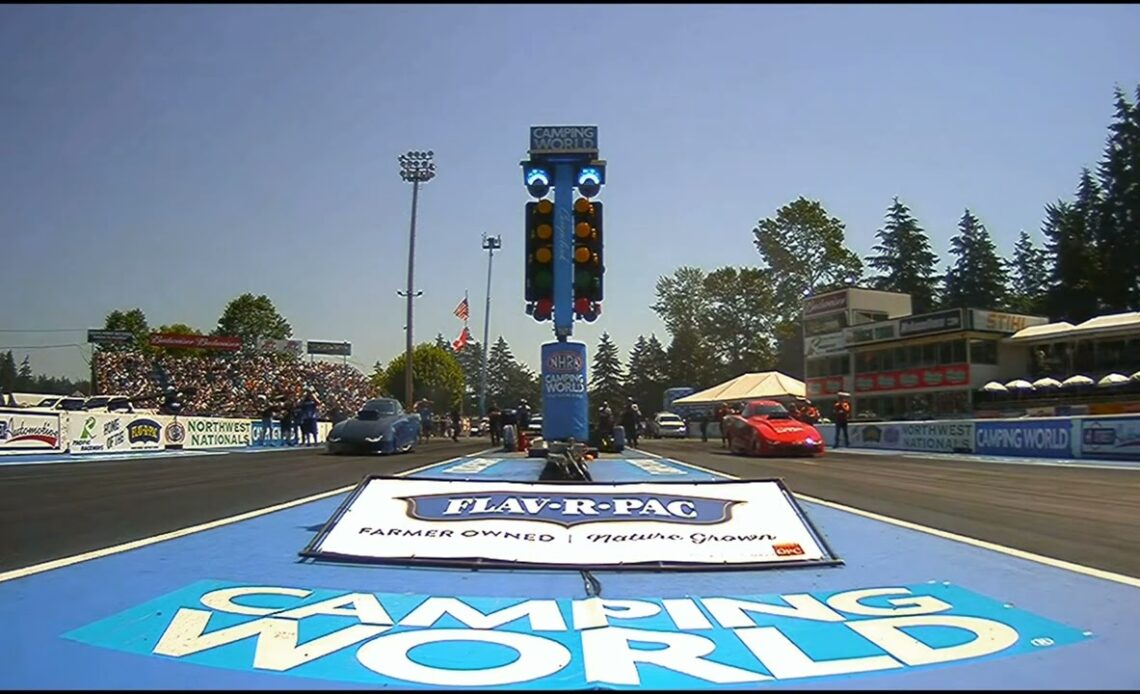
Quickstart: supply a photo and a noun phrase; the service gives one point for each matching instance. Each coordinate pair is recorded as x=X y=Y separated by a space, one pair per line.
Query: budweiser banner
x=231 y=344
x=294 y=347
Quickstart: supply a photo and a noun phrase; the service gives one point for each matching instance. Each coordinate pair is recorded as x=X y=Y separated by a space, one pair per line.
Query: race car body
x=381 y=426
x=765 y=427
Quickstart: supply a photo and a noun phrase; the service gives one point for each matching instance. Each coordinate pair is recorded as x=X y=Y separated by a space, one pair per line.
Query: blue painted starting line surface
x=232 y=606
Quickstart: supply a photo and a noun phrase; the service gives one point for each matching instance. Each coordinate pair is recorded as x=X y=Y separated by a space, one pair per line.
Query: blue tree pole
x=563 y=249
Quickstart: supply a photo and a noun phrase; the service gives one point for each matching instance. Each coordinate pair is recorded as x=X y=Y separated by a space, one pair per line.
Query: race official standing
x=495 y=423
x=454 y=423
x=630 y=421
x=842 y=412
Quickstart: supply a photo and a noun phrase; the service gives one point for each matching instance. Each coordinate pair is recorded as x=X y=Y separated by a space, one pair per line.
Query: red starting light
x=581 y=305
x=543 y=309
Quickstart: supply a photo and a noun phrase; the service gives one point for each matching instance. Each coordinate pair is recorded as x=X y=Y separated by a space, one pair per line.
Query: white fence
x=23 y=432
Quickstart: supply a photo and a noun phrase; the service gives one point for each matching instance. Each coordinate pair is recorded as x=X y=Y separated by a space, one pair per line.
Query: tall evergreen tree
x=509 y=381
x=656 y=363
x=1117 y=227
x=1028 y=277
x=636 y=384
x=24 y=379
x=606 y=375
x=978 y=277
x=500 y=366
x=442 y=342
x=904 y=259
x=8 y=373
x=1070 y=239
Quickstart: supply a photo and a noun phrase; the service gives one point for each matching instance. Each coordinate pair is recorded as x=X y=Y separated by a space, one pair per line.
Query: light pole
x=415 y=167
x=490 y=243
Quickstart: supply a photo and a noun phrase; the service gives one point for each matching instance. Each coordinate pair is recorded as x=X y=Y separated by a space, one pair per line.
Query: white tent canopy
x=751 y=386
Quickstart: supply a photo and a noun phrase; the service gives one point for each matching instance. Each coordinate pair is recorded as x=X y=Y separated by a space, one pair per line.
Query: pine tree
x=978 y=277
x=606 y=375
x=24 y=380
x=1070 y=231
x=500 y=366
x=509 y=381
x=442 y=342
x=635 y=380
x=905 y=260
x=8 y=372
x=1117 y=223
x=655 y=362
x=1028 y=277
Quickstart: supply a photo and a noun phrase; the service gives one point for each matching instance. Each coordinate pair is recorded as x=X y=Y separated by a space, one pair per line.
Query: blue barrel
x=619 y=439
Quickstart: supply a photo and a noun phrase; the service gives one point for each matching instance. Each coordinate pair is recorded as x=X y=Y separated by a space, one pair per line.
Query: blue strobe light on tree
x=537 y=181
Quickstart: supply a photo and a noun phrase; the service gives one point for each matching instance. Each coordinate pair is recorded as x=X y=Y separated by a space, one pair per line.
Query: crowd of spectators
x=229 y=385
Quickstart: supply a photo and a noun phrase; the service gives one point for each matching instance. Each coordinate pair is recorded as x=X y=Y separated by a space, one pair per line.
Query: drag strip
x=1088 y=516
x=53 y=511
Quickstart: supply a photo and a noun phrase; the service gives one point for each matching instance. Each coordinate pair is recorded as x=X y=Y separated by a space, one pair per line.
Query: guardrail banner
x=1052 y=438
x=1110 y=437
x=97 y=432
x=30 y=432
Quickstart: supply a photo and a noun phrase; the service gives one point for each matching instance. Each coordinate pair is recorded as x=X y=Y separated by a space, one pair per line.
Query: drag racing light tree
x=540 y=259
x=588 y=260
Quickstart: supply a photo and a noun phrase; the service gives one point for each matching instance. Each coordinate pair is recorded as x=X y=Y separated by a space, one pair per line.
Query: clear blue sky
x=175 y=157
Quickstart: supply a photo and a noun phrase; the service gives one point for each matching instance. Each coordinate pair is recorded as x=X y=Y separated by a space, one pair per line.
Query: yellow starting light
x=544 y=231
x=583 y=230
x=582 y=206
x=582 y=254
x=545 y=206
x=543 y=255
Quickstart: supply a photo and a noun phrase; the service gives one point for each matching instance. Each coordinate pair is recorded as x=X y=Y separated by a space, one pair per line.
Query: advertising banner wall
x=221 y=342
x=824 y=344
x=949 y=376
x=940 y=437
x=817 y=387
x=930 y=323
x=210 y=432
x=330 y=349
x=1050 y=438
x=95 y=432
x=589 y=525
x=1110 y=437
x=30 y=432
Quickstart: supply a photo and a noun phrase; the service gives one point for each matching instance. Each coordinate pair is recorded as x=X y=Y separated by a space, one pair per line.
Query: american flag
x=462 y=311
x=461 y=341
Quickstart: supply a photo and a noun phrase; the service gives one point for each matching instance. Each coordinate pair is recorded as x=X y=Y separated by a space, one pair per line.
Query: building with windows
x=1094 y=348
x=826 y=318
x=898 y=365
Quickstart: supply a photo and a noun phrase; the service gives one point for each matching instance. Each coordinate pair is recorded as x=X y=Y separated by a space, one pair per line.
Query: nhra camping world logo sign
x=564 y=362
x=697 y=641
x=569 y=510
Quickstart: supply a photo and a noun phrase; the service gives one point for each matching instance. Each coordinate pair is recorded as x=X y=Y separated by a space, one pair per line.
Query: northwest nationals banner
x=632 y=525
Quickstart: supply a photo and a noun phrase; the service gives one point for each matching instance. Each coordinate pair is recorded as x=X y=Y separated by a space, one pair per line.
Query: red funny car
x=767 y=428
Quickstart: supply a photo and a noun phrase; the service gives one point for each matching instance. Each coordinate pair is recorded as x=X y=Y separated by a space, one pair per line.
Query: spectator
x=455 y=424
x=308 y=415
